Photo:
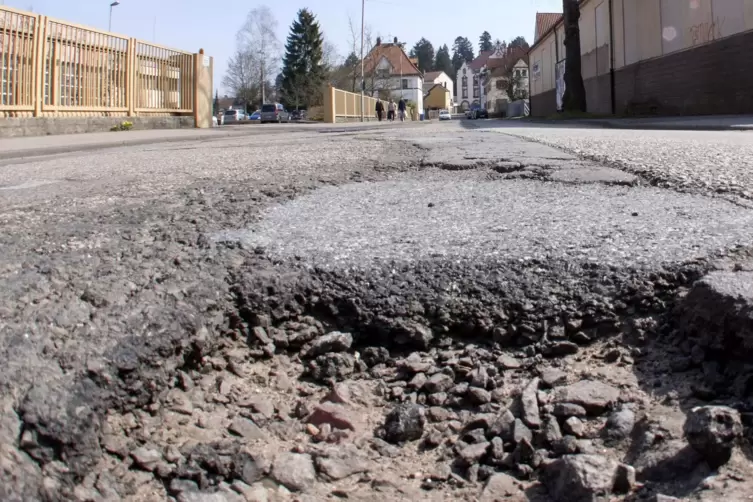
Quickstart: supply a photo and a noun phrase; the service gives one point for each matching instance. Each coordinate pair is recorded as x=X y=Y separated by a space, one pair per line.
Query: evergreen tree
x=424 y=51
x=462 y=52
x=518 y=42
x=303 y=71
x=485 y=42
x=443 y=62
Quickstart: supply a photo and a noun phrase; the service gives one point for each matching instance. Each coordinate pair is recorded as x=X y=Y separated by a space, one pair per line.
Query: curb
x=649 y=127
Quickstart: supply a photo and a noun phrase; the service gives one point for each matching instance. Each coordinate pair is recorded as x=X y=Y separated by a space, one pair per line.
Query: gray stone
x=713 y=431
x=574 y=426
x=567 y=410
x=478 y=395
x=521 y=432
x=146 y=458
x=551 y=431
x=331 y=342
x=620 y=424
x=295 y=471
x=404 y=423
x=508 y=362
x=551 y=377
x=594 y=396
x=502 y=488
x=247 y=429
x=471 y=454
x=503 y=426
x=340 y=463
x=580 y=478
x=624 y=480
x=439 y=382
x=529 y=405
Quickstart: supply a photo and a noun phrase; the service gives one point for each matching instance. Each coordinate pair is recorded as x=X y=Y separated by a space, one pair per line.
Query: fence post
x=329 y=105
x=39 y=58
x=131 y=77
x=202 y=90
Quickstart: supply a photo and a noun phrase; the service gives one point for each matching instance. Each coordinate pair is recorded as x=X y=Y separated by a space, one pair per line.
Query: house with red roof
x=390 y=73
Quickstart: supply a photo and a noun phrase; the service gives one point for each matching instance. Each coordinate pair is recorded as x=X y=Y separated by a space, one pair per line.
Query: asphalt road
x=127 y=247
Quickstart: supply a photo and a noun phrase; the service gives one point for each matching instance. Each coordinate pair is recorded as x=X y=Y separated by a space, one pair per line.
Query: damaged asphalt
x=125 y=268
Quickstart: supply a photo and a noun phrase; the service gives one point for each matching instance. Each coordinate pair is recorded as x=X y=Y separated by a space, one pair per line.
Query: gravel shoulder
x=355 y=314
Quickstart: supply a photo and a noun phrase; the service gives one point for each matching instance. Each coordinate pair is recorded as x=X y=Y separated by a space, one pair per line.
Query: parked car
x=274 y=112
x=255 y=116
x=298 y=115
x=481 y=113
x=445 y=115
x=233 y=116
x=469 y=114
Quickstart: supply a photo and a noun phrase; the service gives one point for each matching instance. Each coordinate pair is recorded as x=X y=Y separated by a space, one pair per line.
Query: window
x=465 y=82
x=517 y=73
x=475 y=92
x=405 y=83
x=465 y=93
x=524 y=73
x=383 y=73
x=464 y=72
x=500 y=85
x=475 y=81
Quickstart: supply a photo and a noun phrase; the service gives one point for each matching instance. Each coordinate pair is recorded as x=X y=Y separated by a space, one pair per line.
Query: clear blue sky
x=194 y=24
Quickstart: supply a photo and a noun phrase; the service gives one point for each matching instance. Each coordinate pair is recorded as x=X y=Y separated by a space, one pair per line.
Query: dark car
x=298 y=115
x=481 y=113
x=274 y=112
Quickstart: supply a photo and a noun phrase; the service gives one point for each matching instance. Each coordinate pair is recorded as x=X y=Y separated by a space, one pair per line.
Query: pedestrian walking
x=379 y=109
x=391 y=110
x=401 y=110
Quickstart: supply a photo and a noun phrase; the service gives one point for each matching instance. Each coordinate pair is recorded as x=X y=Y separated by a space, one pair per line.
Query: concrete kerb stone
x=616 y=124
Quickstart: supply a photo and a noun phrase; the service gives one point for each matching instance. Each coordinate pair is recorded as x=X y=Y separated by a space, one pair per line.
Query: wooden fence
x=344 y=106
x=54 y=68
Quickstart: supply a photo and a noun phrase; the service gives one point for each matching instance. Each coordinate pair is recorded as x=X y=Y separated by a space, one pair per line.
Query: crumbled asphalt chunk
x=404 y=423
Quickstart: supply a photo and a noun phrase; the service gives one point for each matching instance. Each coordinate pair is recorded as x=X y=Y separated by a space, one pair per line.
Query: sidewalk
x=36 y=146
x=33 y=146
x=697 y=123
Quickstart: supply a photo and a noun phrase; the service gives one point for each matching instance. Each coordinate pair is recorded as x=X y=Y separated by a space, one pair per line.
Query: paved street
x=132 y=274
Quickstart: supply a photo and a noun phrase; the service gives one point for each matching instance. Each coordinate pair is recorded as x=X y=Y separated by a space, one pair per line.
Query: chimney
x=379 y=40
x=395 y=40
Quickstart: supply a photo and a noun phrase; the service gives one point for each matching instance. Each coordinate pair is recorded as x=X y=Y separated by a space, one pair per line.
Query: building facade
x=508 y=76
x=433 y=78
x=390 y=73
x=653 y=57
x=438 y=98
x=470 y=79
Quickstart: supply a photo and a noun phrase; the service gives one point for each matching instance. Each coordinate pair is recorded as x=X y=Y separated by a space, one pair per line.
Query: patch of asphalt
x=422 y=218
x=719 y=163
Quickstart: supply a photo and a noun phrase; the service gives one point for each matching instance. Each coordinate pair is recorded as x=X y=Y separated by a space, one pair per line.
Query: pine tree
x=442 y=61
x=485 y=42
x=519 y=42
x=462 y=52
x=303 y=72
x=424 y=51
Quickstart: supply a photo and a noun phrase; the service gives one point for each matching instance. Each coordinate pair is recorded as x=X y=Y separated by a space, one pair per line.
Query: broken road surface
x=454 y=311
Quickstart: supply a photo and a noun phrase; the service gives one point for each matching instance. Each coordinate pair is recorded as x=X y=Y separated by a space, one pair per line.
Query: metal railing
x=52 y=67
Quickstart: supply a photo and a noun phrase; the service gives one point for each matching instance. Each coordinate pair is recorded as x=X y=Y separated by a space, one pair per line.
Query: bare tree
x=242 y=76
x=258 y=41
x=575 y=92
x=369 y=75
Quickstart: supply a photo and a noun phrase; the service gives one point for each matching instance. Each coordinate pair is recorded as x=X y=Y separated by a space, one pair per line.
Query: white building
x=504 y=77
x=469 y=82
x=390 y=73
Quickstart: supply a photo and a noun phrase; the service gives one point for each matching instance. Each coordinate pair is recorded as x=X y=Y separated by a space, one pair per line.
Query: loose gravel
x=511 y=219
x=698 y=161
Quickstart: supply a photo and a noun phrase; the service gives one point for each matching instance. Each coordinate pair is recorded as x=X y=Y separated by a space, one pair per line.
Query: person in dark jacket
x=401 y=109
x=379 y=109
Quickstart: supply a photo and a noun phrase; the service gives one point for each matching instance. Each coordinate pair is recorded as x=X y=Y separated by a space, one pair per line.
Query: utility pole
x=363 y=80
x=261 y=66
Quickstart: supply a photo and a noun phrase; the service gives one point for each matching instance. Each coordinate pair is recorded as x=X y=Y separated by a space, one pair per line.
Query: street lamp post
x=363 y=80
x=114 y=4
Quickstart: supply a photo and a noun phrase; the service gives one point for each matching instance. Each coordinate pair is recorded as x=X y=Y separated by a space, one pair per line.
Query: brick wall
x=716 y=78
